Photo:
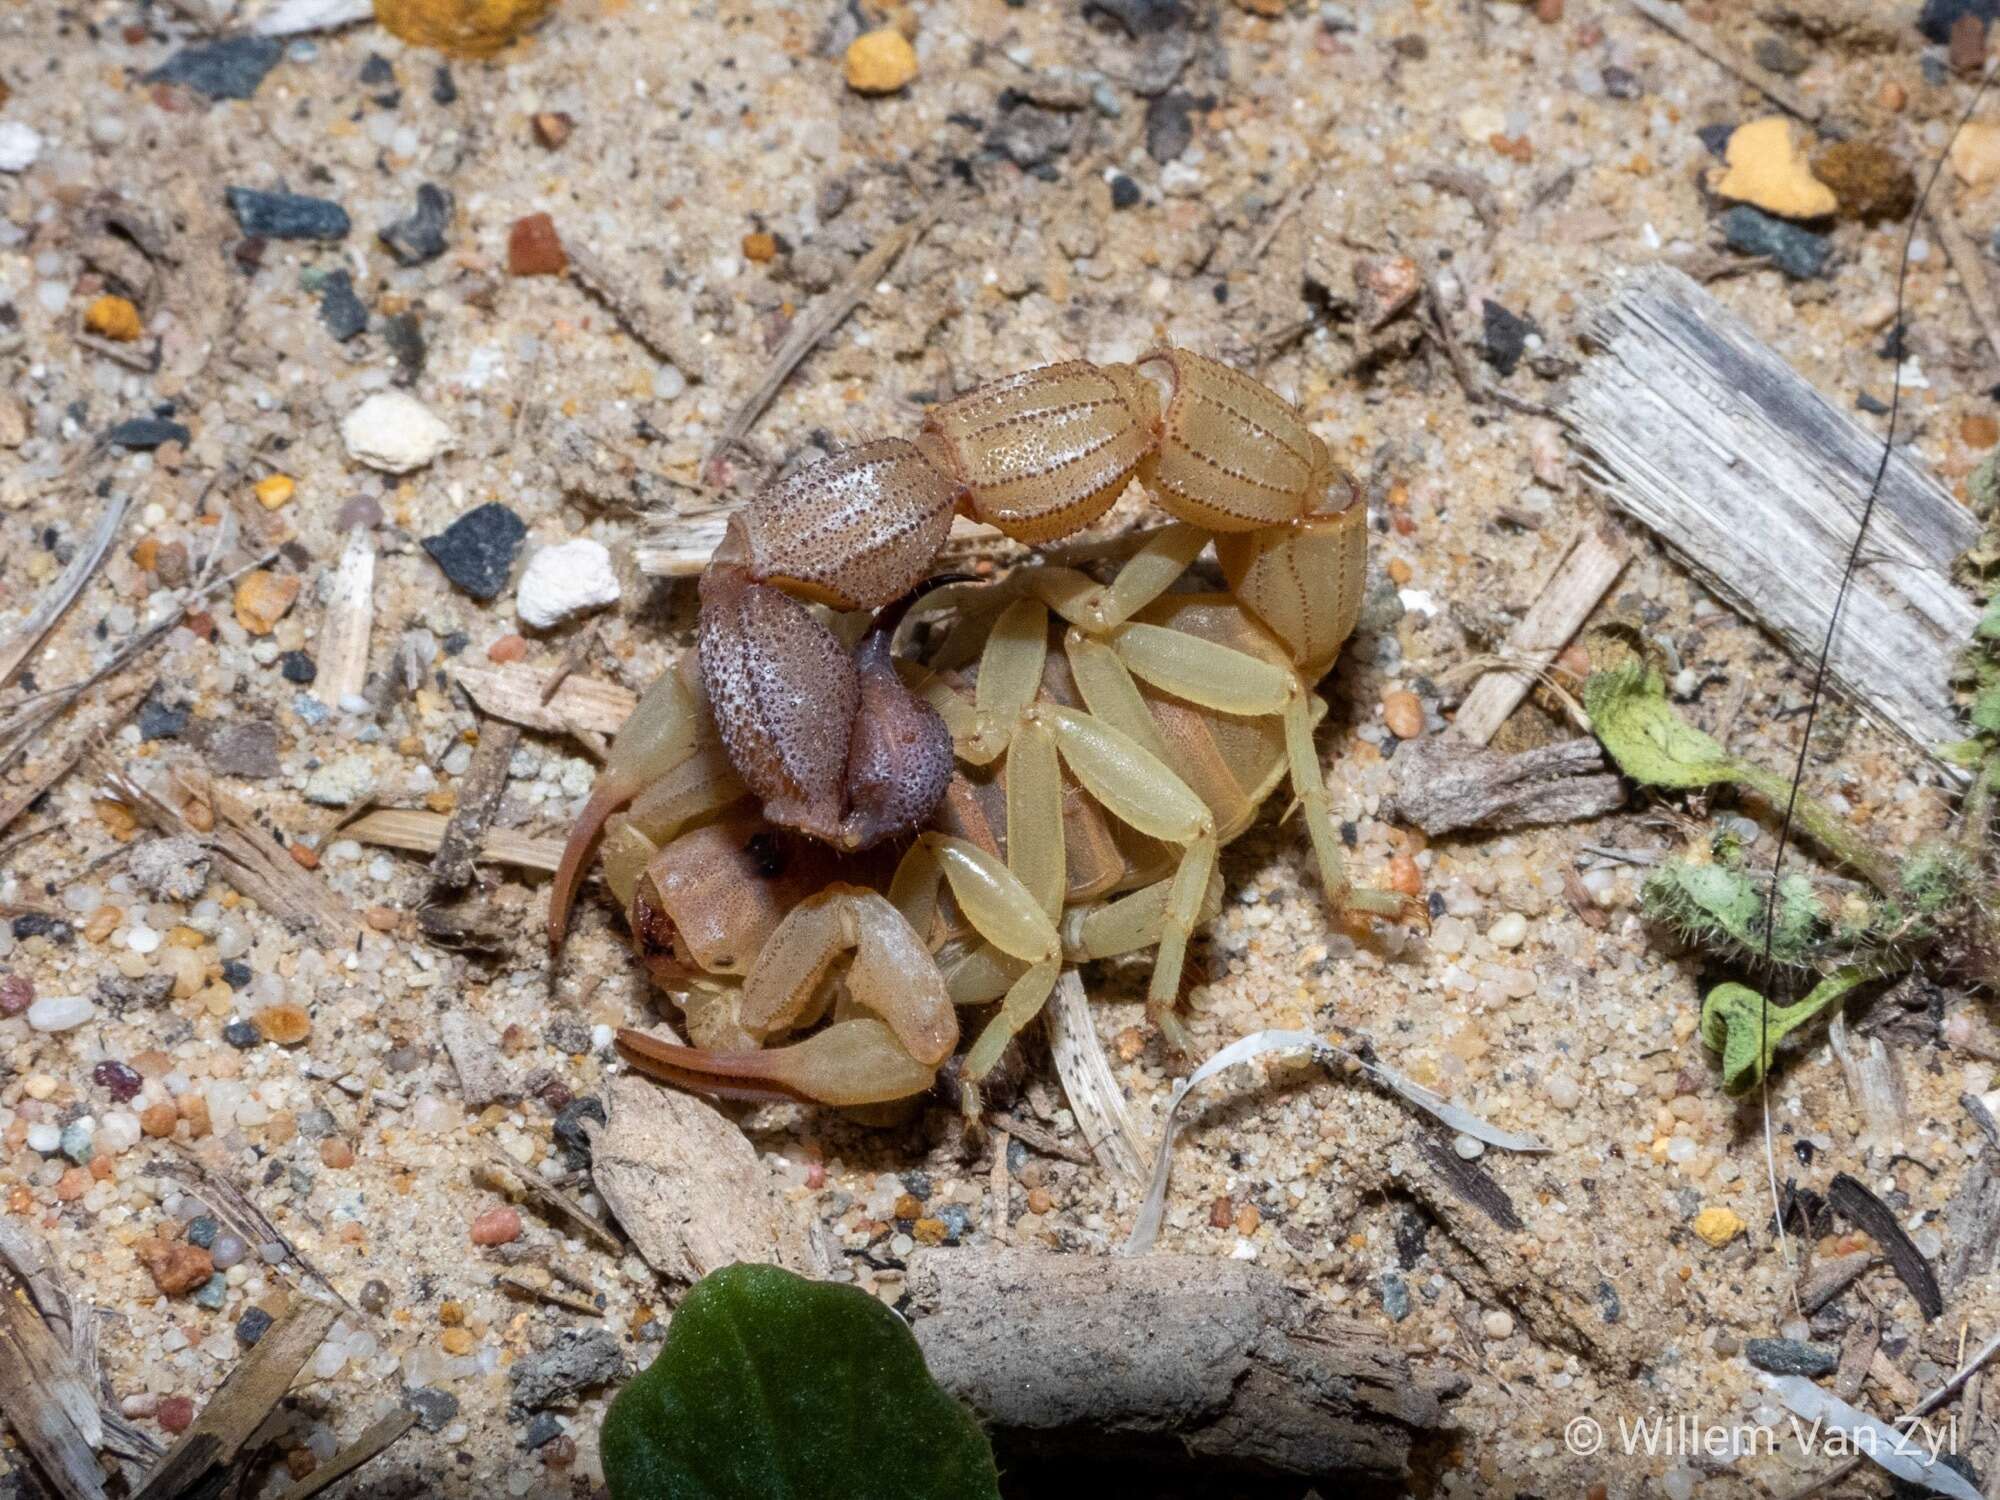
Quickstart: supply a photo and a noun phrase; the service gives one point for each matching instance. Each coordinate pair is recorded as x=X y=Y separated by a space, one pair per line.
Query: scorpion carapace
x=1059 y=775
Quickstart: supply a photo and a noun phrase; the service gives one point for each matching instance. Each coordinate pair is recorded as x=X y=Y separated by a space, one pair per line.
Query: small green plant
x=1928 y=901
x=772 y=1385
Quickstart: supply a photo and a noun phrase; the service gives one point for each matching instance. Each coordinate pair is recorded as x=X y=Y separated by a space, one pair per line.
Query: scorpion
x=1052 y=787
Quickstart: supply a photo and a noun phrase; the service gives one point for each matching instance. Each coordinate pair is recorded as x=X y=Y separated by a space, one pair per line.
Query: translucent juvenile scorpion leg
x=1136 y=787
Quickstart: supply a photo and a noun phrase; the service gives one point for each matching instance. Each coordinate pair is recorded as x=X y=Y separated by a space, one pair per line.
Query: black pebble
x=1799 y=253
x=1791 y=1356
x=1124 y=191
x=241 y=1035
x=1169 y=130
x=297 y=667
x=569 y=1125
x=477 y=551
x=405 y=338
x=543 y=1428
x=235 y=973
x=252 y=1326
x=1873 y=405
x=339 y=308
x=1938 y=15
x=1506 y=336
x=378 y=70
x=454 y=643
x=420 y=236
x=40 y=924
x=435 y=1409
x=1622 y=83
x=161 y=721
x=443 y=89
x=229 y=69
x=147 y=433
x=286 y=216
x=1716 y=138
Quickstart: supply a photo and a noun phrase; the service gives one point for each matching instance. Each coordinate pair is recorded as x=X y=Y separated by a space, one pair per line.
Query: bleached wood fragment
x=1758 y=482
x=350 y=615
x=1582 y=577
x=422 y=832
x=1094 y=1096
x=515 y=694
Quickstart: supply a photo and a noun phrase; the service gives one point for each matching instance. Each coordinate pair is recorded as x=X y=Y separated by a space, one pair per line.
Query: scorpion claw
x=849 y=1063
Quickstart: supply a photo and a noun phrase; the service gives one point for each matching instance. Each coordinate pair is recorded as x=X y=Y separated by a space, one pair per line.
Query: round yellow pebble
x=113 y=318
x=1717 y=1226
x=464 y=28
x=880 y=62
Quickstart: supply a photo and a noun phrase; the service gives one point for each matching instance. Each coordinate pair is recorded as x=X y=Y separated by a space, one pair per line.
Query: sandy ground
x=692 y=127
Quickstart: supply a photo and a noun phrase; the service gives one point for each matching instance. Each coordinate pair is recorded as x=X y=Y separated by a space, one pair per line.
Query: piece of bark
x=1443 y=785
x=198 y=1464
x=1864 y=1339
x=478 y=797
x=1709 y=438
x=1168 y=1359
x=44 y=1391
x=20 y=646
x=686 y=1185
x=1874 y=1086
x=474 y=1049
x=1847 y=1197
x=1973 y=1216
x=1582 y=576
x=1094 y=1096
x=353 y=1456
x=1830 y=1278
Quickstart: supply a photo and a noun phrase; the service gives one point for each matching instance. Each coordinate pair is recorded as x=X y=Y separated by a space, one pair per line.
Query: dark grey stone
x=162 y=721
x=147 y=433
x=420 y=235
x=248 y=748
x=576 y=1362
x=253 y=1325
x=1395 y=1295
x=543 y=1428
x=1791 y=1356
x=287 y=216
x=1506 y=336
x=477 y=551
x=339 y=308
x=231 y=68
x=1799 y=253
x=435 y=1409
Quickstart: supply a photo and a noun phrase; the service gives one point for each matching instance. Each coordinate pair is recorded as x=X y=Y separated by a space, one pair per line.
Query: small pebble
x=253 y=1325
x=1403 y=712
x=228 y=1250
x=231 y=68
x=202 y=1230
x=176 y=1413
x=420 y=235
x=496 y=1226
x=477 y=550
x=263 y=598
x=1799 y=253
x=1717 y=1226
x=113 y=318
x=1791 y=1356
x=20 y=146
x=564 y=581
x=213 y=1292
x=1499 y=1324
x=1468 y=1147
x=395 y=432
x=1509 y=930
x=286 y=216
x=144 y=434
x=60 y=1012
x=339 y=308
x=880 y=62
x=1768 y=169
x=534 y=248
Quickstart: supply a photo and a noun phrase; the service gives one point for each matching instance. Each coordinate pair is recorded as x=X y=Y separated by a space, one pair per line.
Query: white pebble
x=1468 y=1147
x=44 y=1137
x=1678 y=1483
x=1562 y=1091
x=1508 y=931
x=395 y=432
x=563 y=581
x=20 y=146
x=1499 y=1324
x=60 y=1012
x=143 y=940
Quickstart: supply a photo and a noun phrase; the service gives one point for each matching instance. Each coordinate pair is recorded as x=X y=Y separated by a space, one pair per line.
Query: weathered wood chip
x=687 y=1186
x=515 y=694
x=1852 y=1201
x=422 y=832
x=1443 y=784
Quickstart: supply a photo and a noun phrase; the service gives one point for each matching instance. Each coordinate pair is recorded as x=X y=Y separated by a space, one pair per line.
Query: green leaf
x=1986 y=710
x=1724 y=909
x=1989 y=623
x=1737 y=1022
x=770 y=1385
x=1630 y=714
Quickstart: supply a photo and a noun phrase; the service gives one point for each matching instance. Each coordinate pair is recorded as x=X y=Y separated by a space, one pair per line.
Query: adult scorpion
x=1059 y=778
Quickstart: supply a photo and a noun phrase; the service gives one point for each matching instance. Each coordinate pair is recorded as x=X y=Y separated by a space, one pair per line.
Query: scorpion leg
x=1136 y=787
x=1229 y=681
x=1003 y=910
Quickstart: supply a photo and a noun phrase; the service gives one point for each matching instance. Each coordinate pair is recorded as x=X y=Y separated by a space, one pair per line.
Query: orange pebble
x=760 y=247
x=534 y=248
x=1403 y=713
x=113 y=318
x=497 y=1226
x=1404 y=876
x=508 y=648
x=1979 y=430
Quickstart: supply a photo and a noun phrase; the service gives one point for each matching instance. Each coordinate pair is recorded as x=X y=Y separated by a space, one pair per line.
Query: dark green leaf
x=772 y=1387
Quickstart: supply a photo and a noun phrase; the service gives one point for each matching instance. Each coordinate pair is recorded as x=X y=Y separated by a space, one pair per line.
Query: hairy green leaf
x=1630 y=714
x=1724 y=909
x=770 y=1385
